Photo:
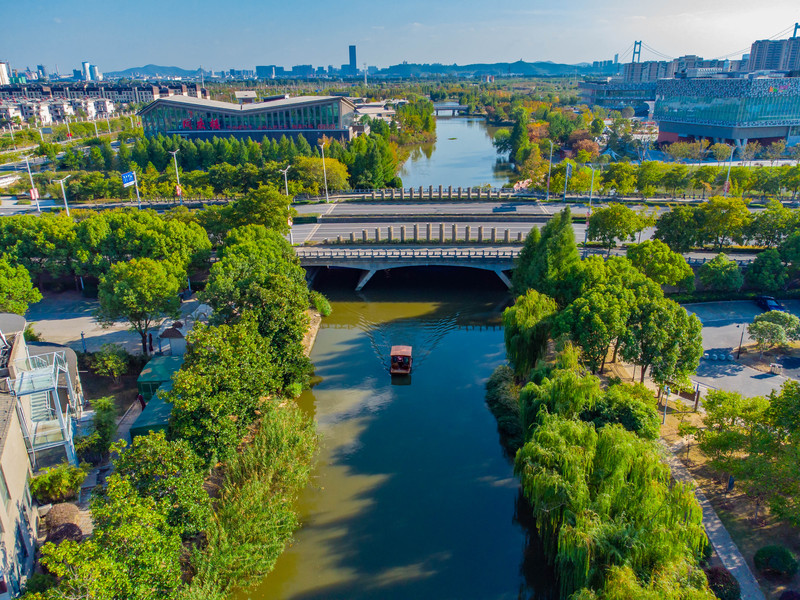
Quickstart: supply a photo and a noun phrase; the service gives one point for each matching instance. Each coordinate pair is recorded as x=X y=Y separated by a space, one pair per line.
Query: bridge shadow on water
x=413 y=496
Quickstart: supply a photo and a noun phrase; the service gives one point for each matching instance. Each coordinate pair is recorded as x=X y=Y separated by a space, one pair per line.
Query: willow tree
x=526 y=327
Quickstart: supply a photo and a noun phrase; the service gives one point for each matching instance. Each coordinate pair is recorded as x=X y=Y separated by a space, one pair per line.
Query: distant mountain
x=153 y=71
x=527 y=69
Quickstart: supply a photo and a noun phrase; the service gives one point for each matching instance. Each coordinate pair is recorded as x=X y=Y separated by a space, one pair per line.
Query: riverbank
x=314 y=322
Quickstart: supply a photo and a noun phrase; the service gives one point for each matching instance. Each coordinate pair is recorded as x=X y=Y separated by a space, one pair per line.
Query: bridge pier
x=377 y=234
x=410 y=193
x=430 y=192
x=383 y=194
x=390 y=233
x=428 y=232
x=459 y=192
x=507 y=236
x=494 y=235
x=364 y=235
x=503 y=277
x=467 y=233
x=402 y=233
x=402 y=194
x=480 y=233
x=455 y=233
x=366 y=276
x=420 y=193
x=450 y=192
x=441 y=233
x=416 y=232
x=440 y=192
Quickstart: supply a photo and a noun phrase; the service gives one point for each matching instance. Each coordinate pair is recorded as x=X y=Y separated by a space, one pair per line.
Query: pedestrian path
x=724 y=546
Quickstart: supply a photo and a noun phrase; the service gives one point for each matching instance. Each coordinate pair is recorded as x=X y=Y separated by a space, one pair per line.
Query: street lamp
x=728 y=178
x=549 y=170
x=324 y=172
x=588 y=214
x=34 y=193
x=63 y=192
x=285 y=178
x=741 y=341
x=177 y=177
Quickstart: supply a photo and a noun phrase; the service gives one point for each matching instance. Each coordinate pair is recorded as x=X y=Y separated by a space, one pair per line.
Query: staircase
x=41 y=407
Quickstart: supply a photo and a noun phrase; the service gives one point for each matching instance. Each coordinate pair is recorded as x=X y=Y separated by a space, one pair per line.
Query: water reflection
x=463 y=155
x=411 y=496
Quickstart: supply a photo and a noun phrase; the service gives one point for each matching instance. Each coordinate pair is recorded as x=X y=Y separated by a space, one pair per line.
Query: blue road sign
x=128 y=179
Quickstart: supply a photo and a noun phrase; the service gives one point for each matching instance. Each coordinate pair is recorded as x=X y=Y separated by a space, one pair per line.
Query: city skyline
x=66 y=33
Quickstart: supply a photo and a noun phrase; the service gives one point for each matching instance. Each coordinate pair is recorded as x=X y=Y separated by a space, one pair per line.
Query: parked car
x=769 y=303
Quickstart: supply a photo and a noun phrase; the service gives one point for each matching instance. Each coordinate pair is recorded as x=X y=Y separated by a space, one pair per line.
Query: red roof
x=401 y=351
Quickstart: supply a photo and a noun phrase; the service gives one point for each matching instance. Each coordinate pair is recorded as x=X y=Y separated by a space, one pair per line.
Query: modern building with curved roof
x=311 y=116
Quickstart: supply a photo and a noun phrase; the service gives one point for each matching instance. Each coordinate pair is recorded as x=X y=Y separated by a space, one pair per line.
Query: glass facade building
x=729 y=108
x=193 y=117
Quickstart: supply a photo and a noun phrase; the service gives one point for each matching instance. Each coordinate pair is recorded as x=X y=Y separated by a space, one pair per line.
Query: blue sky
x=223 y=34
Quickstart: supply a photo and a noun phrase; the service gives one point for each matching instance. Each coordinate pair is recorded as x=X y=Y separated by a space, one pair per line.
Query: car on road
x=769 y=303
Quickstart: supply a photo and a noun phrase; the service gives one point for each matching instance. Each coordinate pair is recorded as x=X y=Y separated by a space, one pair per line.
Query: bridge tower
x=796 y=28
x=637 y=51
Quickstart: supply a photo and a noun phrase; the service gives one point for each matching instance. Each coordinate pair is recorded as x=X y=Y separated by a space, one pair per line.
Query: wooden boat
x=401 y=360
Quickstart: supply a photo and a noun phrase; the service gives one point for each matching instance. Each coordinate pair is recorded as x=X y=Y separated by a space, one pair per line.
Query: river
x=411 y=495
x=462 y=155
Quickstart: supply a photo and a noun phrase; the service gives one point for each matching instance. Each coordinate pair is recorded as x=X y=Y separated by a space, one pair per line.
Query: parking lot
x=724 y=327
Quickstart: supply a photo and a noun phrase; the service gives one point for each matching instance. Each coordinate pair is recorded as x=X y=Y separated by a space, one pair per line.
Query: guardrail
x=408 y=253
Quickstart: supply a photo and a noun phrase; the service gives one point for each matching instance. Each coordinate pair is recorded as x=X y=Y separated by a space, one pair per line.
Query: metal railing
x=408 y=253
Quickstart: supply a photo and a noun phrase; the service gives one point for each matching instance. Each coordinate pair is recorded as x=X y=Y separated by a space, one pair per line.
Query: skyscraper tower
x=353 y=64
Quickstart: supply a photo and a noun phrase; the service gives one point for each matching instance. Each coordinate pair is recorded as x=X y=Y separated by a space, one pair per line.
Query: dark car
x=769 y=303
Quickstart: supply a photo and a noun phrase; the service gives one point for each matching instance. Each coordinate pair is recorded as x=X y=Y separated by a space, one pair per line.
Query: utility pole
x=588 y=214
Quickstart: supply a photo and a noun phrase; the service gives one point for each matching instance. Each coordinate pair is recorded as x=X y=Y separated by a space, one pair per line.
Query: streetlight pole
x=324 y=172
x=741 y=341
x=108 y=124
x=69 y=132
x=96 y=133
x=177 y=177
x=285 y=178
x=588 y=214
x=33 y=187
x=567 y=173
x=549 y=170
x=64 y=193
x=730 y=163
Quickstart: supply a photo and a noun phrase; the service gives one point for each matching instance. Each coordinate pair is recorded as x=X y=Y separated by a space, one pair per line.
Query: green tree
x=772 y=225
x=767 y=335
x=615 y=222
x=679 y=228
x=110 y=361
x=16 y=289
x=789 y=322
x=721 y=274
x=594 y=321
x=767 y=272
x=723 y=220
x=170 y=473
x=526 y=327
x=655 y=259
x=550 y=263
x=309 y=172
x=721 y=151
x=142 y=292
x=133 y=553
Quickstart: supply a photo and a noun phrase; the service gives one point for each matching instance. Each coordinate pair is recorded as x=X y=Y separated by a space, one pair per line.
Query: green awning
x=155 y=416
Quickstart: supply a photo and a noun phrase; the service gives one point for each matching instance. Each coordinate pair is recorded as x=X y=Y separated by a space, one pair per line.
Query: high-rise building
x=775 y=55
x=353 y=64
x=5 y=75
x=41 y=71
x=94 y=73
x=265 y=72
x=87 y=76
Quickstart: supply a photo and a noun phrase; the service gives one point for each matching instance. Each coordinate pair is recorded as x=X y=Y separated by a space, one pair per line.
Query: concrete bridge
x=431 y=192
x=372 y=260
x=447 y=107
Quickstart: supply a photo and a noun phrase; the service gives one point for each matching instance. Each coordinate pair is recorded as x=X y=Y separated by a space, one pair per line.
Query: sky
x=240 y=34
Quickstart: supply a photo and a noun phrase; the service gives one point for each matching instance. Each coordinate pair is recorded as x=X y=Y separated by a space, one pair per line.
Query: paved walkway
x=725 y=547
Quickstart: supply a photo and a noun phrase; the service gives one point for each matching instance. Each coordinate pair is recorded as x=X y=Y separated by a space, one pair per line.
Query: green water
x=411 y=495
x=462 y=155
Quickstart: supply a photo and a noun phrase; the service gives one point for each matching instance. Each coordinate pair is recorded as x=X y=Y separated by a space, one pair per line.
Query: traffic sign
x=34 y=194
x=47 y=130
x=178 y=190
x=128 y=179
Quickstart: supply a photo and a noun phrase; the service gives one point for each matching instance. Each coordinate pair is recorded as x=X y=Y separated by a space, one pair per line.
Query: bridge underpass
x=371 y=260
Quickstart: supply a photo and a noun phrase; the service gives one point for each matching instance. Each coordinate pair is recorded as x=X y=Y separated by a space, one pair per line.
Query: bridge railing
x=408 y=253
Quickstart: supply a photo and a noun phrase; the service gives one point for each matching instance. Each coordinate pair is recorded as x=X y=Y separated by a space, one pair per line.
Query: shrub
x=30 y=335
x=501 y=397
x=60 y=514
x=67 y=531
x=95 y=447
x=58 y=483
x=110 y=361
x=39 y=583
x=775 y=560
x=723 y=584
x=321 y=303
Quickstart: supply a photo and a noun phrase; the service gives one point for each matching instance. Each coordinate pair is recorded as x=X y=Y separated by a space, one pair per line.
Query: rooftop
x=253 y=107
